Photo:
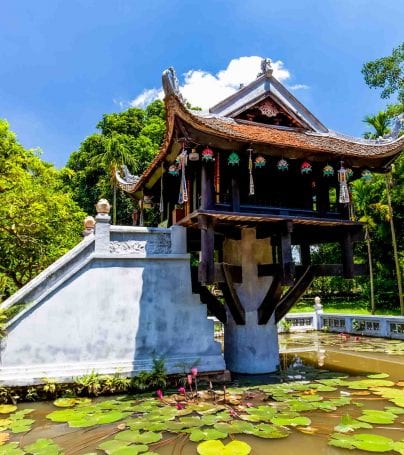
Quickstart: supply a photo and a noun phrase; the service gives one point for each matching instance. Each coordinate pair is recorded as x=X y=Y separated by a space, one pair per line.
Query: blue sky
x=63 y=63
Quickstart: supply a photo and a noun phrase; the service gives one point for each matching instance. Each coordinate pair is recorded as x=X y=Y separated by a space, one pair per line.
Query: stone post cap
x=317 y=304
x=89 y=222
x=103 y=207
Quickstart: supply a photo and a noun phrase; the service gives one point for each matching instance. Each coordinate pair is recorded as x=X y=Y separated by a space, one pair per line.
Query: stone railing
x=359 y=324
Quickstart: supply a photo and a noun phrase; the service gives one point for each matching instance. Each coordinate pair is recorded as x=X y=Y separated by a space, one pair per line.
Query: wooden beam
x=235 y=192
x=231 y=298
x=213 y=304
x=206 y=186
x=207 y=264
x=268 y=269
x=305 y=254
x=294 y=293
x=271 y=300
x=286 y=260
x=347 y=255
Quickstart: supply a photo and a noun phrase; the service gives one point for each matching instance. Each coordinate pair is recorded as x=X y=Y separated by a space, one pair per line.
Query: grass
x=343 y=307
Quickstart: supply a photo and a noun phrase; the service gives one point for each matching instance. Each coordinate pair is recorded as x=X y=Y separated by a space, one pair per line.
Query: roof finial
x=170 y=82
x=266 y=68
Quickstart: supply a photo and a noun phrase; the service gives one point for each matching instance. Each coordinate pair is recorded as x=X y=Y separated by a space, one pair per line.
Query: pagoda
x=256 y=182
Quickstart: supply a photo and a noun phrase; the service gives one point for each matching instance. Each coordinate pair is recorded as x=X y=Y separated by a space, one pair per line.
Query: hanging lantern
x=233 y=160
x=147 y=202
x=193 y=156
x=305 y=168
x=282 y=165
x=250 y=168
x=328 y=171
x=349 y=173
x=207 y=154
x=367 y=176
x=343 y=185
x=173 y=170
x=260 y=162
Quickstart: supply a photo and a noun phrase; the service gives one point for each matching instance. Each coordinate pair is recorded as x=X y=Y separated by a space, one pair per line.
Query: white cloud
x=146 y=97
x=299 y=87
x=205 y=89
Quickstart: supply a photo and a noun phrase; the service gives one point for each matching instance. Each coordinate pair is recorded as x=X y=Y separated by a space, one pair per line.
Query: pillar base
x=251 y=348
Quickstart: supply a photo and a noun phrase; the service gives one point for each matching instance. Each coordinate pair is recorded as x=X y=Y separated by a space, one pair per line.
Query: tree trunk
x=372 y=289
x=114 y=206
x=394 y=241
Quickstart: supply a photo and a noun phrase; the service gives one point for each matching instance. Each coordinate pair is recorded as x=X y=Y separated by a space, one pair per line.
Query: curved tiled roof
x=329 y=143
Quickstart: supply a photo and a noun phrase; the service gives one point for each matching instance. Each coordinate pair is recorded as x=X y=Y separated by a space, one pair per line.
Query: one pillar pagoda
x=252 y=178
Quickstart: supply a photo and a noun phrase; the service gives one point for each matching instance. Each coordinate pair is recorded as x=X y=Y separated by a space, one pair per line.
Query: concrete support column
x=250 y=348
x=178 y=240
x=102 y=227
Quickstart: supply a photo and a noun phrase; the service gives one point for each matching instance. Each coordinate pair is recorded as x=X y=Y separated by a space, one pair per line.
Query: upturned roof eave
x=176 y=109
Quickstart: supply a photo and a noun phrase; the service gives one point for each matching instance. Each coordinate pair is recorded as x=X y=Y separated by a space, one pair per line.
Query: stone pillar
x=178 y=240
x=102 y=226
x=318 y=311
x=250 y=348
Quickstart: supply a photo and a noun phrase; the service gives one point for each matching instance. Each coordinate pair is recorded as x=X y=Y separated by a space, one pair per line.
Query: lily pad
x=378 y=376
x=237 y=426
x=113 y=445
x=376 y=416
x=369 y=442
x=218 y=448
x=7 y=408
x=365 y=384
x=291 y=421
x=130 y=436
x=11 y=449
x=269 y=431
x=206 y=435
x=43 y=447
x=348 y=424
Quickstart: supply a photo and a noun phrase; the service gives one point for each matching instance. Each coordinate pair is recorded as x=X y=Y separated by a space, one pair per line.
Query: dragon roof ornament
x=171 y=84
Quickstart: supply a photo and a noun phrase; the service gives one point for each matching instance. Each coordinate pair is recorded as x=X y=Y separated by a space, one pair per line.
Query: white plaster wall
x=117 y=313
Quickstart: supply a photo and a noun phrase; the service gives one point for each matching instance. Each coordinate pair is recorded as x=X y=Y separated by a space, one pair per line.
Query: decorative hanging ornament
x=367 y=176
x=305 y=168
x=193 y=156
x=343 y=185
x=173 y=170
x=250 y=168
x=233 y=160
x=260 y=162
x=349 y=173
x=282 y=165
x=183 y=195
x=328 y=171
x=207 y=154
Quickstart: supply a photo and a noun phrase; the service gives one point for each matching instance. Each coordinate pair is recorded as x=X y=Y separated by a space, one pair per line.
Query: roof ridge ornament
x=266 y=68
x=171 y=84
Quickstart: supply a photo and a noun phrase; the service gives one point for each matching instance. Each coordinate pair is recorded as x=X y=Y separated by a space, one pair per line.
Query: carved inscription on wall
x=148 y=246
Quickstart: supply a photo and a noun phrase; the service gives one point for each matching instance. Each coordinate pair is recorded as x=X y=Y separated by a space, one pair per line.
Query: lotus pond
x=305 y=407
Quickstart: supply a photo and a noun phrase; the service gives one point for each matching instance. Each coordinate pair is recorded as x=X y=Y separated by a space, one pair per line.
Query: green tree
x=387 y=73
x=380 y=123
x=39 y=221
x=132 y=137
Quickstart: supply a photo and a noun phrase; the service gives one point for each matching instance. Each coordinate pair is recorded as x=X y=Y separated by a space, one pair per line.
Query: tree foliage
x=387 y=73
x=132 y=137
x=39 y=221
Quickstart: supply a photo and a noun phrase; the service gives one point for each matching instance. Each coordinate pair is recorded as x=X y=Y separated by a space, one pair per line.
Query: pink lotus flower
x=180 y=406
x=159 y=394
x=194 y=371
x=182 y=390
x=189 y=379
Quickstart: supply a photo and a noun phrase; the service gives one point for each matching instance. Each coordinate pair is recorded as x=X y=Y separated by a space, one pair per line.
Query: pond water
x=317 y=399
